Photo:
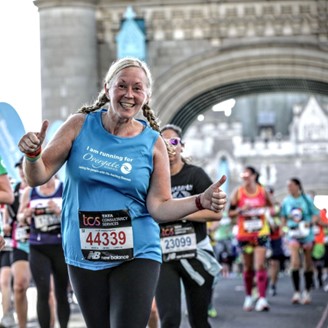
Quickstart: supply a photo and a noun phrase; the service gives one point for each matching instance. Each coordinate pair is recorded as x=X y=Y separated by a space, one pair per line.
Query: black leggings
x=119 y=297
x=44 y=261
x=168 y=295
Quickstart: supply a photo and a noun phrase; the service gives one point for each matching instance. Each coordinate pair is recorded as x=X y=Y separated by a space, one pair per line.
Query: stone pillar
x=69 y=61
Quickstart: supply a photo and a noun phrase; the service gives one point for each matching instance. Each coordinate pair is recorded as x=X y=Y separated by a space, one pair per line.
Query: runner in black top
x=186 y=246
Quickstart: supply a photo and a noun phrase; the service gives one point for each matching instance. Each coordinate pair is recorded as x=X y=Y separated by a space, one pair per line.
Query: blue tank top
x=105 y=172
x=50 y=234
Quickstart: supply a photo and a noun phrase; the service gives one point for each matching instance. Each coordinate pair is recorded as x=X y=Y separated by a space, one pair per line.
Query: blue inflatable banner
x=52 y=129
x=224 y=170
x=11 y=131
x=50 y=133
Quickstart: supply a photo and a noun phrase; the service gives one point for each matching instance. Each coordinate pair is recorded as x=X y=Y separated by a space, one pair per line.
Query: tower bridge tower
x=200 y=53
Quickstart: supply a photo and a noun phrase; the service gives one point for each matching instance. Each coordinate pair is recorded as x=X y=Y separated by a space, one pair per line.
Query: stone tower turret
x=69 y=68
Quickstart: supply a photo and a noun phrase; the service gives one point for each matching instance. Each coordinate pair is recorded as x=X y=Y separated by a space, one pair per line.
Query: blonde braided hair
x=151 y=118
x=100 y=102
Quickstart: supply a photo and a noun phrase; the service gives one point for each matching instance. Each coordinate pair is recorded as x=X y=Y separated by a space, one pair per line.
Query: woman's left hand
x=213 y=198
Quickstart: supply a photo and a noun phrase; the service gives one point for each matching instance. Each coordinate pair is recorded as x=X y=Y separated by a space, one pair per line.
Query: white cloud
x=20 y=76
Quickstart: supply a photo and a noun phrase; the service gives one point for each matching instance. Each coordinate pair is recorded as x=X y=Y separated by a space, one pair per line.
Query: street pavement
x=228 y=300
x=229 y=297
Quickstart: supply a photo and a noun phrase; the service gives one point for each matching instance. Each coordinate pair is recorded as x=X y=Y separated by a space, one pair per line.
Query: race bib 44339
x=106 y=235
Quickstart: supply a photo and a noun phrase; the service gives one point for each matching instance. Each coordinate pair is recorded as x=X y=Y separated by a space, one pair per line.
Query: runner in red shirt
x=250 y=204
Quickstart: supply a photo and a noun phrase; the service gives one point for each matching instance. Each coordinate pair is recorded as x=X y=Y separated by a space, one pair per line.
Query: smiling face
x=128 y=92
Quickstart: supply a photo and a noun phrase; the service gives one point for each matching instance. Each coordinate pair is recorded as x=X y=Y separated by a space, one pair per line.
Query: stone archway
x=193 y=86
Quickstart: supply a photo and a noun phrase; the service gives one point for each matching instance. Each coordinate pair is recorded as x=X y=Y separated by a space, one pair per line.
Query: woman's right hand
x=25 y=216
x=32 y=141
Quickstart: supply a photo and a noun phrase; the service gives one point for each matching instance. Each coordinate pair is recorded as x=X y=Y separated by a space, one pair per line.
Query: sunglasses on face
x=173 y=141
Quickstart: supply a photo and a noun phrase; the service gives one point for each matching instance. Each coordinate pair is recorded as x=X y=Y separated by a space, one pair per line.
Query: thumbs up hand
x=30 y=143
x=213 y=198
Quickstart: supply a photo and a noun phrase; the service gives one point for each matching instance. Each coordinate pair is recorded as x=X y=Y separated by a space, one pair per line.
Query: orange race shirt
x=252 y=223
x=319 y=231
